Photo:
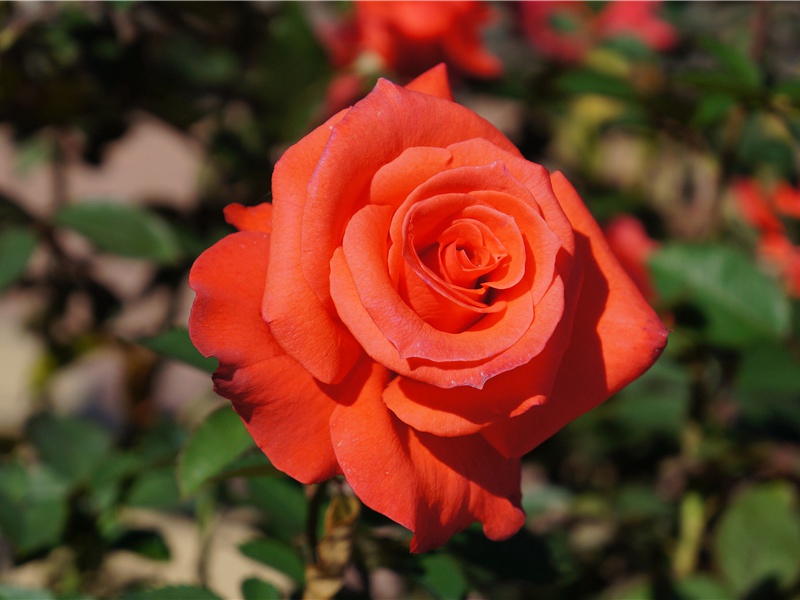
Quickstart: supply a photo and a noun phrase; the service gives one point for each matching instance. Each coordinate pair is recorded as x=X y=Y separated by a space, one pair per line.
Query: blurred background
x=126 y=127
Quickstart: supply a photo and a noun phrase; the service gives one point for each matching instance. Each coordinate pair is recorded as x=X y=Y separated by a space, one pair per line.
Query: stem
x=312 y=521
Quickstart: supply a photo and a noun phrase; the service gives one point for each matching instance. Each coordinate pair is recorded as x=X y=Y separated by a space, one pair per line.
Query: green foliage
x=277 y=555
x=444 y=576
x=33 y=509
x=758 y=538
x=219 y=439
x=256 y=589
x=176 y=344
x=72 y=448
x=738 y=303
x=282 y=504
x=122 y=229
x=16 y=246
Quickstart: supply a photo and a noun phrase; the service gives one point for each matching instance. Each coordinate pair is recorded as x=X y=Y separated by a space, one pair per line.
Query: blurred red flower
x=766 y=211
x=410 y=37
x=632 y=246
x=566 y=31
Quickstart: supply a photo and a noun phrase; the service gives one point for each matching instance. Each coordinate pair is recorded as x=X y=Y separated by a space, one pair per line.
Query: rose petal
x=616 y=336
x=286 y=413
x=250 y=218
x=225 y=321
x=307 y=330
x=365 y=253
x=433 y=486
x=445 y=374
x=340 y=183
x=277 y=399
x=433 y=82
x=459 y=411
x=394 y=181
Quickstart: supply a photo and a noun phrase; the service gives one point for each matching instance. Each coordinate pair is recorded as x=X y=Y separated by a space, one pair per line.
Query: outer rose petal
x=284 y=409
x=250 y=218
x=307 y=330
x=433 y=486
x=616 y=336
x=433 y=82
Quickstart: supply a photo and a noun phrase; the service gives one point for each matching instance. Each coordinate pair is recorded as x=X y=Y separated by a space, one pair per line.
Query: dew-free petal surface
x=250 y=218
x=308 y=331
x=283 y=408
x=433 y=486
x=616 y=336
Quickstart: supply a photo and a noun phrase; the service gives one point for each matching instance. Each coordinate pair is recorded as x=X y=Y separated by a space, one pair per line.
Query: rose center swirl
x=465 y=251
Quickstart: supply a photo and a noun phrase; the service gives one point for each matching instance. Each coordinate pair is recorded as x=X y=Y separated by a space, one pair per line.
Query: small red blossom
x=766 y=212
x=411 y=37
x=567 y=31
x=632 y=246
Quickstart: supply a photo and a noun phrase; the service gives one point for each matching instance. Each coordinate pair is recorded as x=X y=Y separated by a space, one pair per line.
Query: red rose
x=419 y=307
x=410 y=37
x=630 y=243
x=567 y=30
x=766 y=212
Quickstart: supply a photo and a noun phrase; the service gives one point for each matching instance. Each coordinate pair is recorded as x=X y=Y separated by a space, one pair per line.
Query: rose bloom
x=418 y=308
x=765 y=210
x=410 y=37
x=567 y=30
x=630 y=243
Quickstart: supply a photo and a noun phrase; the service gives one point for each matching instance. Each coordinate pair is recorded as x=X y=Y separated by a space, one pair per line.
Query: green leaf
x=277 y=555
x=739 y=303
x=721 y=82
x=788 y=88
x=176 y=344
x=444 y=576
x=758 y=538
x=218 y=440
x=637 y=502
x=586 y=81
x=282 y=503
x=713 y=109
x=33 y=507
x=699 y=587
x=16 y=246
x=72 y=447
x=174 y=592
x=733 y=61
x=122 y=229
x=154 y=489
x=758 y=145
x=257 y=589
x=654 y=406
x=769 y=368
x=252 y=464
